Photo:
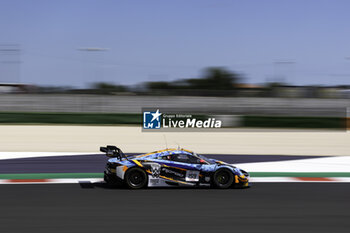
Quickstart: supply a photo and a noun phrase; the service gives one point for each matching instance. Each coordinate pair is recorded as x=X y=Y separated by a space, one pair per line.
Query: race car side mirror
x=202 y=161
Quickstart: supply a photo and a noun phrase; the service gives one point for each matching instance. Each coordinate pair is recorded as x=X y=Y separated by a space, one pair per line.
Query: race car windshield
x=131 y=156
x=203 y=157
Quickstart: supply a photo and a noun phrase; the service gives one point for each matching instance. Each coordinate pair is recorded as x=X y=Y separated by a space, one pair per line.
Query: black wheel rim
x=223 y=177
x=136 y=178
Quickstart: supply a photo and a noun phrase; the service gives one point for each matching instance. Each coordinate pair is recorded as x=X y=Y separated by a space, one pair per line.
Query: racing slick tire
x=223 y=178
x=136 y=178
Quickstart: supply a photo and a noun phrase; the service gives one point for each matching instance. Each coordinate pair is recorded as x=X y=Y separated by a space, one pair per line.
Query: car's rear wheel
x=136 y=178
x=223 y=178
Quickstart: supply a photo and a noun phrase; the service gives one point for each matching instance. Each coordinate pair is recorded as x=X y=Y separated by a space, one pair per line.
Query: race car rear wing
x=113 y=152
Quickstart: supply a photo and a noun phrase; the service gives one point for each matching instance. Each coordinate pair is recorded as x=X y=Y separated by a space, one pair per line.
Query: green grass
x=74 y=118
x=136 y=119
x=70 y=118
x=294 y=122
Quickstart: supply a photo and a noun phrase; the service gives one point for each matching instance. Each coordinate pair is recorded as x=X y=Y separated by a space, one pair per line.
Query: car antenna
x=166 y=143
x=178 y=145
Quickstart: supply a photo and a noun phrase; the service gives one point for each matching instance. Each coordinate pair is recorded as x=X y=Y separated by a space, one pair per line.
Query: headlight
x=238 y=171
x=245 y=173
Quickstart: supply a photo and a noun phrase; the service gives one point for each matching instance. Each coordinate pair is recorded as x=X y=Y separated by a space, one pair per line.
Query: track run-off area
x=75 y=168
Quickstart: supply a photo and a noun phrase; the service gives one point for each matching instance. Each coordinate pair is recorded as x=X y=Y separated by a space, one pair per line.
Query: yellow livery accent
x=154 y=152
x=137 y=163
x=187 y=150
x=173 y=180
x=175 y=167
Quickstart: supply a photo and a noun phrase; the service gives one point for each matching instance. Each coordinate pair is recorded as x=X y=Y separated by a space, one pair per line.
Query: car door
x=182 y=167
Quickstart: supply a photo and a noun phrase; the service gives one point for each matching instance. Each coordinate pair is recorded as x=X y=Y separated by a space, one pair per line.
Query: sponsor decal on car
x=166 y=170
x=192 y=175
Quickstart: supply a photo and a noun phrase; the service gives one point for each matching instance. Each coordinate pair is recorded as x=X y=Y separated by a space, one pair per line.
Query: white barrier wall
x=131 y=139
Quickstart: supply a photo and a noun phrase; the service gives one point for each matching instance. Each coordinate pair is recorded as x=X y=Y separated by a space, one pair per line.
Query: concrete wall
x=89 y=138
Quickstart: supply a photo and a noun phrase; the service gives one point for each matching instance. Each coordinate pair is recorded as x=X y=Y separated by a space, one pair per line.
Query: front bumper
x=242 y=181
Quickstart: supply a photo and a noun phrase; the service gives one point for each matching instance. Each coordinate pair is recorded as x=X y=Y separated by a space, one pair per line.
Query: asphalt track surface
x=265 y=207
x=97 y=162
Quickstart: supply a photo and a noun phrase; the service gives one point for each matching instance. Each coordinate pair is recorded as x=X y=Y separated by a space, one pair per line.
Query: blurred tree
x=159 y=85
x=214 y=78
x=51 y=89
x=107 y=88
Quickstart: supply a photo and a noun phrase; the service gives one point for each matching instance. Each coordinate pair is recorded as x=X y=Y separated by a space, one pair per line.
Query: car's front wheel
x=223 y=178
x=136 y=178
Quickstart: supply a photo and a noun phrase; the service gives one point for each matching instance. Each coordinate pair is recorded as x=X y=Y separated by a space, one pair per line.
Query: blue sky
x=172 y=39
